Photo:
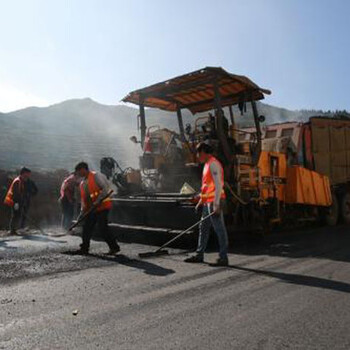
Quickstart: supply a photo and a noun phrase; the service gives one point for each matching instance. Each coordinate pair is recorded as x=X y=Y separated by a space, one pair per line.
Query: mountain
x=63 y=134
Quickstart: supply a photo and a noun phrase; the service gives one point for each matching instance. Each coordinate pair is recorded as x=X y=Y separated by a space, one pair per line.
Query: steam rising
x=61 y=135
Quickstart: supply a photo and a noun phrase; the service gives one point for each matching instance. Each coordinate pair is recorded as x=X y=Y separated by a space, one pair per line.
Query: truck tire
x=345 y=208
x=332 y=215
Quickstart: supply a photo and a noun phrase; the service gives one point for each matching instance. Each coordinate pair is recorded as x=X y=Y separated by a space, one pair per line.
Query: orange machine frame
x=291 y=185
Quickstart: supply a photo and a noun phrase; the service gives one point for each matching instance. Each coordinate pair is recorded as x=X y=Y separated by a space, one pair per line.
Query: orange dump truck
x=327 y=151
x=320 y=147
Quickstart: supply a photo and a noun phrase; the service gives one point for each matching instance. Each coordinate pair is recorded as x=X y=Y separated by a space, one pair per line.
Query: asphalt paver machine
x=263 y=187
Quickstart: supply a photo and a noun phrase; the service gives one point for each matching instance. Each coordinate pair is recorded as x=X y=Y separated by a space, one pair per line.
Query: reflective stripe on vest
x=90 y=191
x=208 y=184
x=9 y=195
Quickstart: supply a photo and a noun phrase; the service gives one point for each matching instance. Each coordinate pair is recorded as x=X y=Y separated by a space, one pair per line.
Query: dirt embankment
x=44 y=208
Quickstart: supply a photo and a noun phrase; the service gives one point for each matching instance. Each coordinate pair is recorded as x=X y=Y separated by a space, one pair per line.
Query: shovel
x=161 y=251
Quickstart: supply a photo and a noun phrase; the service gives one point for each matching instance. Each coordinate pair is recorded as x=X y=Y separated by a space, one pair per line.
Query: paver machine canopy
x=207 y=89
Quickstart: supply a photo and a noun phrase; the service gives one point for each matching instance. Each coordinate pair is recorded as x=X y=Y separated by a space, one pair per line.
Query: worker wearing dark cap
x=18 y=197
x=93 y=189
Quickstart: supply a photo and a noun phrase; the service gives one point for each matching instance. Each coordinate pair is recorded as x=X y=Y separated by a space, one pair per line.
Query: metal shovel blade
x=153 y=254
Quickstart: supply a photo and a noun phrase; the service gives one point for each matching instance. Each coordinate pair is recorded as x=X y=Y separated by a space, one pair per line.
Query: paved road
x=288 y=293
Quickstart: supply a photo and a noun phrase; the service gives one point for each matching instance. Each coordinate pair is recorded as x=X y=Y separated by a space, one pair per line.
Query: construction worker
x=211 y=199
x=93 y=189
x=67 y=199
x=18 y=198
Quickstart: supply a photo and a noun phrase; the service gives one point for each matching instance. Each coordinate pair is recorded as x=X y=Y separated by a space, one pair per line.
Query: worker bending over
x=67 y=199
x=93 y=189
x=211 y=198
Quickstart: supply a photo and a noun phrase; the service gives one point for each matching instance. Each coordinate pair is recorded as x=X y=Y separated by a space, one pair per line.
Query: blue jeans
x=217 y=221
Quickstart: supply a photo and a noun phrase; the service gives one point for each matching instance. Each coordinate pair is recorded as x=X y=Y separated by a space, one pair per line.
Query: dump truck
x=265 y=186
x=321 y=144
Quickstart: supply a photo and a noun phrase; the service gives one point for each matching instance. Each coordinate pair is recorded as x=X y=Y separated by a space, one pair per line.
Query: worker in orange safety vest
x=93 y=188
x=18 y=198
x=211 y=200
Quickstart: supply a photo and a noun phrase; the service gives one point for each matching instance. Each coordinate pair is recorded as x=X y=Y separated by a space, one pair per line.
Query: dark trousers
x=15 y=219
x=18 y=218
x=101 y=219
x=23 y=220
x=67 y=212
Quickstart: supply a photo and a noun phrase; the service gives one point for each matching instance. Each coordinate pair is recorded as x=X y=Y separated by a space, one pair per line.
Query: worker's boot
x=198 y=258
x=13 y=232
x=83 y=250
x=221 y=262
x=114 y=250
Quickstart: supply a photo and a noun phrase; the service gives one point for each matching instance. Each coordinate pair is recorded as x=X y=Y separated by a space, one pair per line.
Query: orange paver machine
x=265 y=186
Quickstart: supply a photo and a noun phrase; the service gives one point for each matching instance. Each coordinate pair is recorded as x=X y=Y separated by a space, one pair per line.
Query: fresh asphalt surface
x=290 y=292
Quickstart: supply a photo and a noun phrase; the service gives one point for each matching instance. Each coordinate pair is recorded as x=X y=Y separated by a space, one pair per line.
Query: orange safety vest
x=9 y=196
x=208 y=184
x=89 y=197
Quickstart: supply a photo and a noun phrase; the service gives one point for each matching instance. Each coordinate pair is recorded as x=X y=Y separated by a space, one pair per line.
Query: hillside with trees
x=63 y=134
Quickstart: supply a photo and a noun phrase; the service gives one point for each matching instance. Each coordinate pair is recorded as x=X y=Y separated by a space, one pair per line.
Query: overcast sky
x=56 y=50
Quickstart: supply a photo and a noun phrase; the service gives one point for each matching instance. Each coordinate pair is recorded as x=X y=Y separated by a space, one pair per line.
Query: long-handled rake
x=161 y=251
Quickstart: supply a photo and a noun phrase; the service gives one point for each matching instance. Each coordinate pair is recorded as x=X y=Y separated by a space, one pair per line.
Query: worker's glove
x=198 y=206
x=16 y=206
